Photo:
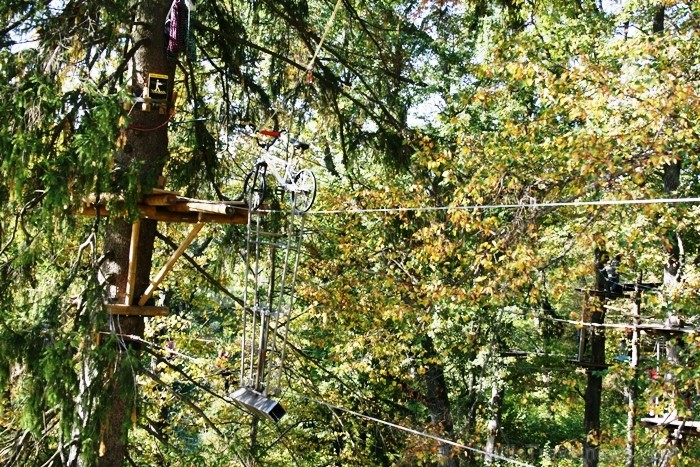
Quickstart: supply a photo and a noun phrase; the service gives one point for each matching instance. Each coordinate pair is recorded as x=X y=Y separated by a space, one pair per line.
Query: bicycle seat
x=298 y=144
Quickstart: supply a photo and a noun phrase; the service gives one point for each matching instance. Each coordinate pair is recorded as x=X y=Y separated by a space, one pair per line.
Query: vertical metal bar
x=299 y=236
x=256 y=297
x=244 y=317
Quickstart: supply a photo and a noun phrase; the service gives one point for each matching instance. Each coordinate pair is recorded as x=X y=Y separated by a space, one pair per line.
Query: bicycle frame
x=273 y=164
x=301 y=184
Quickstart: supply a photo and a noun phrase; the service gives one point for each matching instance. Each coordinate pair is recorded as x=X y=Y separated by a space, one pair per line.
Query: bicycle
x=300 y=183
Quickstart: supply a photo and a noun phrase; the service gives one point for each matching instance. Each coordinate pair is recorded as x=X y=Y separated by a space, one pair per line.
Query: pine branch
x=185 y=374
x=186 y=401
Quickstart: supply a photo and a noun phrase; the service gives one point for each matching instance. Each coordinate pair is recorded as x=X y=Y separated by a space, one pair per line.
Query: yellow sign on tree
x=157 y=86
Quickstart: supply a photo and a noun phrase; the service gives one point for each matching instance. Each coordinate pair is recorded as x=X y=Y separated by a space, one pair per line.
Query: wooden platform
x=673 y=424
x=167 y=206
x=665 y=330
x=164 y=206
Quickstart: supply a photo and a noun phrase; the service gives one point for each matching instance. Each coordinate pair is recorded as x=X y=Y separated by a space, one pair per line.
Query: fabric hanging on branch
x=177 y=29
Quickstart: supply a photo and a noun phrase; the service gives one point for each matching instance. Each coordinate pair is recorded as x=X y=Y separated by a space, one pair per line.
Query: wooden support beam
x=133 y=261
x=132 y=310
x=162 y=215
x=205 y=207
x=167 y=267
x=92 y=211
x=160 y=199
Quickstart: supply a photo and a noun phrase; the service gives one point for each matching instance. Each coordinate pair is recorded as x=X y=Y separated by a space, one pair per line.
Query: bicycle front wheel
x=305 y=194
x=254 y=188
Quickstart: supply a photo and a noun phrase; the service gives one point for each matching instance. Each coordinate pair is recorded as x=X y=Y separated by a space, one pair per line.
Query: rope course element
x=484 y=207
x=310 y=66
x=643 y=327
x=416 y=432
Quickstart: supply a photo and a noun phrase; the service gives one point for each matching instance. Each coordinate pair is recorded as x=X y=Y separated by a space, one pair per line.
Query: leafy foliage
x=438 y=285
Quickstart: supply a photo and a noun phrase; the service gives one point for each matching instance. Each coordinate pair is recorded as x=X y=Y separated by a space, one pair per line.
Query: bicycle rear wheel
x=304 y=197
x=254 y=187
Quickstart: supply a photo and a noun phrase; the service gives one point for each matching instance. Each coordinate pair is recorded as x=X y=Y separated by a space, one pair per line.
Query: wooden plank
x=91 y=210
x=162 y=215
x=673 y=424
x=204 y=207
x=167 y=267
x=132 y=310
x=160 y=199
x=133 y=261
x=235 y=203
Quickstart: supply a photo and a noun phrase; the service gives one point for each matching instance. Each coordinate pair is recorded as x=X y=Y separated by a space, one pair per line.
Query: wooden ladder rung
x=133 y=310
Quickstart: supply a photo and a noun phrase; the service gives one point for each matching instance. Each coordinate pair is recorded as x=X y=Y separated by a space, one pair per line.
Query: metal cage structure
x=271 y=262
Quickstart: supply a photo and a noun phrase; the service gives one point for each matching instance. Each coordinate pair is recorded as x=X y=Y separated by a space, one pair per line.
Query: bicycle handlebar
x=276 y=134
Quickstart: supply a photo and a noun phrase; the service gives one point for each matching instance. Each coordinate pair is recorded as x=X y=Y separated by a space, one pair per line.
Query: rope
x=310 y=66
x=416 y=432
x=478 y=207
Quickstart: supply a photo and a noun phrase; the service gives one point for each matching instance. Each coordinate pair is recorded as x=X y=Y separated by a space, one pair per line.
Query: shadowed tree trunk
x=145 y=153
x=438 y=402
x=594 y=386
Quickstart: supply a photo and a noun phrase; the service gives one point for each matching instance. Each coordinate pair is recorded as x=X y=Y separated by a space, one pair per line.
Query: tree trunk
x=594 y=387
x=494 y=425
x=631 y=389
x=438 y=402
x=146 y=150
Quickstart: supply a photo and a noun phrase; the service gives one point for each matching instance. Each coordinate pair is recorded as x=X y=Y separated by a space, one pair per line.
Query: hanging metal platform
x=272 y=258
x=258 y=404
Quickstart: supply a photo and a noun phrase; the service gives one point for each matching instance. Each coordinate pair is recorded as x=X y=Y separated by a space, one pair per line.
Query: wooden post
x=169 y=265
x=133 y=262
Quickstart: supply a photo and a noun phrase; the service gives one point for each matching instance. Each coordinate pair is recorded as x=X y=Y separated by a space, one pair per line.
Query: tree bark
x=145 y=151
x=494 y=425
x=631 y=389
x=594 y=387
x=438 y=402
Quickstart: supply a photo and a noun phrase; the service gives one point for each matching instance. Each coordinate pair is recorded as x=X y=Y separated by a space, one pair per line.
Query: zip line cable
x=480 y=207
x=416 y=432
